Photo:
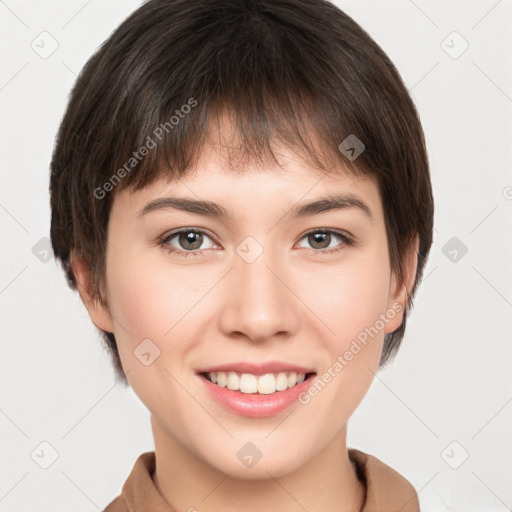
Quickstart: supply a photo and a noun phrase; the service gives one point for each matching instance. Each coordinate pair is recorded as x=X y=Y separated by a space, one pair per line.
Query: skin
x=291 y=304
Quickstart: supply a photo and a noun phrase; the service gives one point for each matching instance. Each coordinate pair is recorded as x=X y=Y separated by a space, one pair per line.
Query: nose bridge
x=258 y=303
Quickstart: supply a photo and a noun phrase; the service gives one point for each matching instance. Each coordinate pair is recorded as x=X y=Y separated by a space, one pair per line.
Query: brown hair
x=143 y=105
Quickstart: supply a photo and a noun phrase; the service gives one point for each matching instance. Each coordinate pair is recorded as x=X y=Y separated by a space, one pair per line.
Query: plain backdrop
x=441 y=414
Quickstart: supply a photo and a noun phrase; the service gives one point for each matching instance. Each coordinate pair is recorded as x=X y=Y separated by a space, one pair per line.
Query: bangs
x=245 y=137
x=263 y=80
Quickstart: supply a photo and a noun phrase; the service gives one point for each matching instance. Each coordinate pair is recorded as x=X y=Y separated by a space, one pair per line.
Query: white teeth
x=282 y=382
x=233 y=381
x=248 y=383
x=221 y=379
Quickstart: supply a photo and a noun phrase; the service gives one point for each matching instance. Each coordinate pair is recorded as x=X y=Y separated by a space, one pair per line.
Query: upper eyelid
x=186 y=230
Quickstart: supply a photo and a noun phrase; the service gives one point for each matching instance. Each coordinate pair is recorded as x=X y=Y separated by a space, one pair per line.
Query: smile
x=248 y=383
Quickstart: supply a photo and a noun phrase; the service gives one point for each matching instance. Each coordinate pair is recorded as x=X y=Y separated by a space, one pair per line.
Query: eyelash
x=164 y=242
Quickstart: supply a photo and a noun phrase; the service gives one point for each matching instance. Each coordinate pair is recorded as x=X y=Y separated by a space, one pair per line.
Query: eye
x=322 y=239
x=189 y=241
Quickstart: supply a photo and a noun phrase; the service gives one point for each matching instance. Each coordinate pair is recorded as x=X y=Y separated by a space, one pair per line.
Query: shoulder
x=386 y=489
x=117 y=505
x=139 y=489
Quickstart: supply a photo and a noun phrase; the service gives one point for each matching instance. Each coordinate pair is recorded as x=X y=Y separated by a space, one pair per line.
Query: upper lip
x=256 y=368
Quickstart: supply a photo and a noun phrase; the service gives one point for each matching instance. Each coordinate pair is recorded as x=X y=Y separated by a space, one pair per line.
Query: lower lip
x=256 y=405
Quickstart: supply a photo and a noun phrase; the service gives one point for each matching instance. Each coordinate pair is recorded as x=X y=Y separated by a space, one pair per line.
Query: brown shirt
x=386 y=490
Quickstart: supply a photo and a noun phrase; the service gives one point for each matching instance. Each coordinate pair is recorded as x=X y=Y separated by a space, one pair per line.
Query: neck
x=327 y=483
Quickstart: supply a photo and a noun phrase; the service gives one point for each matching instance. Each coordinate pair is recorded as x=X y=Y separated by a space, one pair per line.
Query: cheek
x=148 y=297
x=146 y=307
x=352 y=305
x=351 y=300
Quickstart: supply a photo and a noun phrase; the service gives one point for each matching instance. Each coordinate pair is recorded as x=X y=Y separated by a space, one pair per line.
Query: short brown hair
x=283 y=69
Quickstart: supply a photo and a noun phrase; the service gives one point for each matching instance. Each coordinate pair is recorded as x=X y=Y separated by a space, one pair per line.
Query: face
x=261 y=297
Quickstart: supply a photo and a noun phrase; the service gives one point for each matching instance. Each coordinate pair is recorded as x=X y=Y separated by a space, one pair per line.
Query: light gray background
x=449 y=391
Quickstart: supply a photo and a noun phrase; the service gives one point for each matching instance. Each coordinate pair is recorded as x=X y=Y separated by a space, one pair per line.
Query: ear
x=99 y=314
x=399 y=291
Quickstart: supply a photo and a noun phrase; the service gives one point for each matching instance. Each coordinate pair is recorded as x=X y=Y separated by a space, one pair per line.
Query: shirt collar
x=386 y=489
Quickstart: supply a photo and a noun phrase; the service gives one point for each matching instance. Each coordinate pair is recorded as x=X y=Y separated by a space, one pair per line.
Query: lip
x=256 y=368
x=256 y=405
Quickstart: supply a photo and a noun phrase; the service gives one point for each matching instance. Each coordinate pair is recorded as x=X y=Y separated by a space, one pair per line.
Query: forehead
x=230 y=168
x=224 y=173
x=217 y=177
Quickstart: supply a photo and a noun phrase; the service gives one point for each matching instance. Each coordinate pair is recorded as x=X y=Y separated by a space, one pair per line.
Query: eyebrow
x=211 y=209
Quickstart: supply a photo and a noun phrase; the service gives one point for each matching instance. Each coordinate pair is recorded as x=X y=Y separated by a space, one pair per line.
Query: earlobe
x=400 y=291
x=99 y=314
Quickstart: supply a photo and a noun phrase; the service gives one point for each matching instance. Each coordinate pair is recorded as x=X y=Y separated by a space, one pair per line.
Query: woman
x=240 y=193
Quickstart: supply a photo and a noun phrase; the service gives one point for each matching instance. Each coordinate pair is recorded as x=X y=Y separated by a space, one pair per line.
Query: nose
x=259 y=303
